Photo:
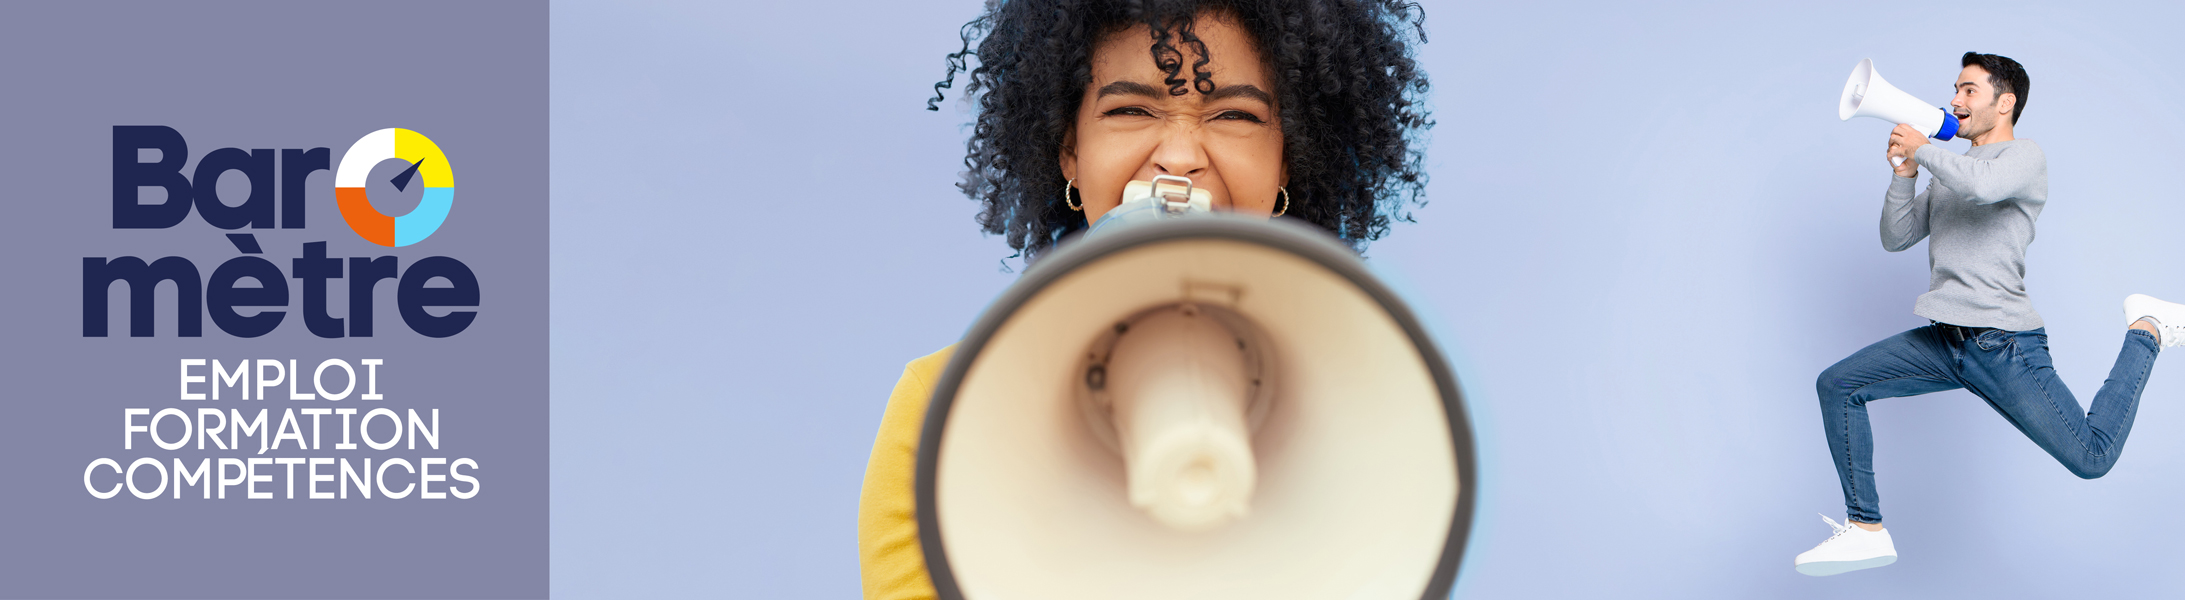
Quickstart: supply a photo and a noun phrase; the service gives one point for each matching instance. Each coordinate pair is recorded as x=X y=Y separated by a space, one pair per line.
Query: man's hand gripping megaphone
x=1903 y=142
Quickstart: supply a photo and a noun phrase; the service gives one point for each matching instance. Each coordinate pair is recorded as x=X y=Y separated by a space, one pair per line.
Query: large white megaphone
x=1866 y=94
x=1200 y=407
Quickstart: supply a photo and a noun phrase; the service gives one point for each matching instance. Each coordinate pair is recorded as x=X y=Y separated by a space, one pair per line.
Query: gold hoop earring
x=1066 y=195
x=1285 y=202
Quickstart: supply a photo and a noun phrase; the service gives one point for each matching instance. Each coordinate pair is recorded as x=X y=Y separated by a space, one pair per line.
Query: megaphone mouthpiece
x=1180 y=391
x=1163 y=197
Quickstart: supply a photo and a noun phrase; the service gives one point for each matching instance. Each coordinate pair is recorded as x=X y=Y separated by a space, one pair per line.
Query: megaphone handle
x=1896 y=161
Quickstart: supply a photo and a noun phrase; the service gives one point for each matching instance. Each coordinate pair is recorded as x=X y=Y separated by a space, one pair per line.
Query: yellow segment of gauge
x=433 y=166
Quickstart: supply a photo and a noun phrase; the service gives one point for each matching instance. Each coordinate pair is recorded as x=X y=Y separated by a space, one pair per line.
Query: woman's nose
x=1180 y=154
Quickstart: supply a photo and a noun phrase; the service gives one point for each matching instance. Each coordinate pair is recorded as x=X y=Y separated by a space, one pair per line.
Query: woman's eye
x=1237 y=115
x=1132 y=111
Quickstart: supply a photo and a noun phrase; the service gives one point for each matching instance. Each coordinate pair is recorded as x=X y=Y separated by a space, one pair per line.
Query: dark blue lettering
x=130 y=176
x=314 y=269
x=100 y=274
x=222 y=296
x=296 y=169
x=413 y=297
x=364 y=274
x=256 y=210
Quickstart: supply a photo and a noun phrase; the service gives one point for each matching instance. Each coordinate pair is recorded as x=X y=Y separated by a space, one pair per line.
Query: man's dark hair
x=2005 y=75
x=1352 y=103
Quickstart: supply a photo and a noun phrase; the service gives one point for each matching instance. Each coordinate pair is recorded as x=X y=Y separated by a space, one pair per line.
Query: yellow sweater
x=887 y=522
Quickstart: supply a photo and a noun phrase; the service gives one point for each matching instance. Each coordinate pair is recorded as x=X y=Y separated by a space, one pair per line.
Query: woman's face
x=1228 y=142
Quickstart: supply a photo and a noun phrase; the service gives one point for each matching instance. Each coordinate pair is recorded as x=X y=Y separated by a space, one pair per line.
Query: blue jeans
x=2009 y=369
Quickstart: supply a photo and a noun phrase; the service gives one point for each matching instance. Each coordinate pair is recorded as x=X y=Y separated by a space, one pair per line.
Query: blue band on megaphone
x=1949 y=126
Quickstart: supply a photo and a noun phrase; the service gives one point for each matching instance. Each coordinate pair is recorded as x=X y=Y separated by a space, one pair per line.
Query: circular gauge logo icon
x=428 y=168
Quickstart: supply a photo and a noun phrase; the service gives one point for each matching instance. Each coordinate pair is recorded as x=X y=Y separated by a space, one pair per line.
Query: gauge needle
x=402 y=181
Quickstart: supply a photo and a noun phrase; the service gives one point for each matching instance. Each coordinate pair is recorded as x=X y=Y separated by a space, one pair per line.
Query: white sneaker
x=1850 y=549
x=2168 y=317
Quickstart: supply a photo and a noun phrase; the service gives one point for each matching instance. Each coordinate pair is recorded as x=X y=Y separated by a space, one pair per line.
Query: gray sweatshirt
x=1978 y=213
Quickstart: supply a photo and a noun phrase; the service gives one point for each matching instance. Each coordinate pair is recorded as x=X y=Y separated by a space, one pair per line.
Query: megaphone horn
x=1204 y=406
x=1866 y=94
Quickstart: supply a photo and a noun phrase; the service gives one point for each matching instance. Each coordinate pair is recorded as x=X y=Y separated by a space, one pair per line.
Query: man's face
x=1976 y=105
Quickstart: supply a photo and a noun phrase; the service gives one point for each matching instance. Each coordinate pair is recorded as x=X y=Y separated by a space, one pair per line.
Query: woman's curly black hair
x=1352 y=103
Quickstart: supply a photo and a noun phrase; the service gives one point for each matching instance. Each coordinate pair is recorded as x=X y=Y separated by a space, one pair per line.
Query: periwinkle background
x=1648 y=234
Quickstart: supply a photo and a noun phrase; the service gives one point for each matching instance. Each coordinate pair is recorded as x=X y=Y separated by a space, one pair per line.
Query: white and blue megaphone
x=1866 y=94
